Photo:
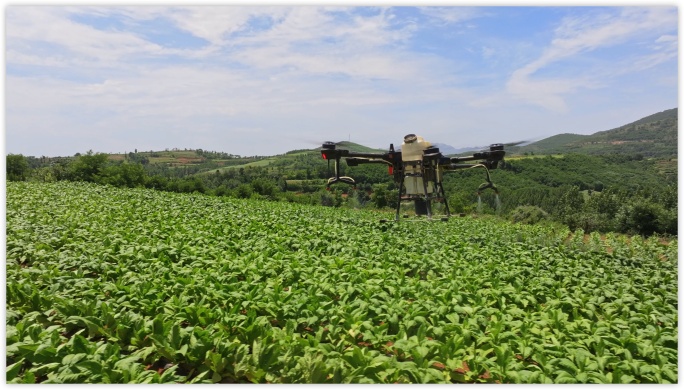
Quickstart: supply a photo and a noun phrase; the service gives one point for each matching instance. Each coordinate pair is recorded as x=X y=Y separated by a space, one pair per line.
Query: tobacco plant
x=108 y=285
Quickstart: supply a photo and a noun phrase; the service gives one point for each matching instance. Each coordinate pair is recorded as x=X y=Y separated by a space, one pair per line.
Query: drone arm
x=335 y=154
x=366 y=155
x=489 y=164
x=457 y=160
x=490 y=157
x=496 y=155
x=454 y=167
x=329 y=152
x=355 y=161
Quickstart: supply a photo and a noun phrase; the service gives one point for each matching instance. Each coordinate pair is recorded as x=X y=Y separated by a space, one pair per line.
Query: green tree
x=87 y=167
x=244 y=191
x=157 y=182
x=330 y=198
x=264 y=187
x=459 y=203
x=569 y=207
x=17 y=167
x=641 y=216
x=379 y=196
x=123 y=175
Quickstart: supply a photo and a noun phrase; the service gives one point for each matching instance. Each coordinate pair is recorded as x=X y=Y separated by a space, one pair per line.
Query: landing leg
x=401 y=187
x=425 y=191
x=440 y=188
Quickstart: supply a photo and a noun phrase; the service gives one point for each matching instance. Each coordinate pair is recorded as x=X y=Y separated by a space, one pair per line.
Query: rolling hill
x=652 y=136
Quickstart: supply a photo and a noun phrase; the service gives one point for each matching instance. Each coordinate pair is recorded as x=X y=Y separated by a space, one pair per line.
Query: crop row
x=107 y=285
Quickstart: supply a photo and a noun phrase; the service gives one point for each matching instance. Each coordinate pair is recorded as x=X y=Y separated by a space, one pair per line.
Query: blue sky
x=269 y=79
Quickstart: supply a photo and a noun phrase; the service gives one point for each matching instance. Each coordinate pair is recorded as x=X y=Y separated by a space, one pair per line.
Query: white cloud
x=49 y=25
x=451 y=15
x=316 y=39
x=487 y=52
x=586 y=34
x=319 y=72
x=583 y=34
x=667 y=44
x=547 y=93
x=666 y=38
x=334 y=41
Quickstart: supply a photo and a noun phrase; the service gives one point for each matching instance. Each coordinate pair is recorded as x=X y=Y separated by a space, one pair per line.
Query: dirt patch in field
x=186 y=160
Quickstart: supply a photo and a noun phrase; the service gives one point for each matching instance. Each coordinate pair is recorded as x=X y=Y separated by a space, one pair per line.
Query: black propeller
x=489 y=147
x=507 y=144
x=516 y=143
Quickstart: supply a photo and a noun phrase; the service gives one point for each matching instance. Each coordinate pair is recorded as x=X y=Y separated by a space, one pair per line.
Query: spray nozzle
x=484 y=186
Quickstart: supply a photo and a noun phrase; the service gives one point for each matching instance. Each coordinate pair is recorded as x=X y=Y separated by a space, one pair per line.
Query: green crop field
x=107 y=285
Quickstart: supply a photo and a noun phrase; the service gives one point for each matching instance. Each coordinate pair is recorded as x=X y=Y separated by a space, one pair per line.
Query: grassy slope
x=548 y=144
x=358 y=148
x=652 y=136
x=289 y=160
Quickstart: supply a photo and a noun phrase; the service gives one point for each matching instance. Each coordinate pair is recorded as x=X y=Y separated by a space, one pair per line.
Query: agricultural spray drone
x=417 y=169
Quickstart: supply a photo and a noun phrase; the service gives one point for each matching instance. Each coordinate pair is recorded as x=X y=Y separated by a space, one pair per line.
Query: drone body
x=417 y=168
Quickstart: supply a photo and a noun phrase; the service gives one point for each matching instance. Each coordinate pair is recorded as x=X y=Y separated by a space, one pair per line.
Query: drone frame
x=431 y=168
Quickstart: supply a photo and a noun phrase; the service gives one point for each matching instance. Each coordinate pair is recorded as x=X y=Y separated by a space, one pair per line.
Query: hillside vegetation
x=621 y=180
x=653 y=136
x=193 y=266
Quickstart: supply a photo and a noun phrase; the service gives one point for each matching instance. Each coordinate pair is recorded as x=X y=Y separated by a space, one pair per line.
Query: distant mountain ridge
x=358 y=148
x=652 y=136
x=448 y=149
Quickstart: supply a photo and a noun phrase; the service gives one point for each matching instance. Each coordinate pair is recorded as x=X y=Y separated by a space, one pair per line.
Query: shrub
x=641 y=217
x=528 y=214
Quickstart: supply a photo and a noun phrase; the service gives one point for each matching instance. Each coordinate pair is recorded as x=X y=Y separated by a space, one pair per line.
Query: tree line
x=610 y=193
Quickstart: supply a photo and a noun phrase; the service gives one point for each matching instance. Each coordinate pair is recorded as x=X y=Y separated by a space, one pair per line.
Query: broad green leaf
x=13 y=370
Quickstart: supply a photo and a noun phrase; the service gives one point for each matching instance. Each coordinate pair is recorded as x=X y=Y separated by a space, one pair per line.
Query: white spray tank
x=412 y=151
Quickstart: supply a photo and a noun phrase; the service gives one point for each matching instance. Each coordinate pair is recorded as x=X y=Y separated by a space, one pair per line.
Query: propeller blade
x=506 y=144
x=516 y=143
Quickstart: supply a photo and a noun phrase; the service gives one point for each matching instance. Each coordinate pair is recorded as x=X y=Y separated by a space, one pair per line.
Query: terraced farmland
x=108 y=285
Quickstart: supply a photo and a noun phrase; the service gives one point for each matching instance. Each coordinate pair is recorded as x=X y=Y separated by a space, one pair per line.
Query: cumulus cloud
x=587 y=33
